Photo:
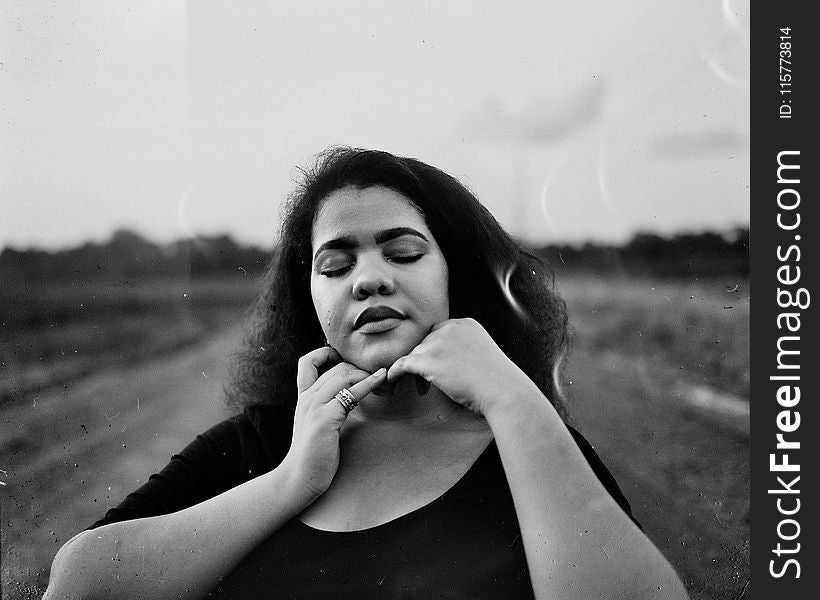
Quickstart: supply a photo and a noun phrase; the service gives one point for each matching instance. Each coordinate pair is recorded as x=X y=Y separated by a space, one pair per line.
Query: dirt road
x=684 y=471
x=70 y=454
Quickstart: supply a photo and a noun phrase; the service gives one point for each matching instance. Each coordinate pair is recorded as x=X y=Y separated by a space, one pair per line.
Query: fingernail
x=381 y=371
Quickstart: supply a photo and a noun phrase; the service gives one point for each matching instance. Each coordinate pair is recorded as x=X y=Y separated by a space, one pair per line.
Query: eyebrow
x=347 y=242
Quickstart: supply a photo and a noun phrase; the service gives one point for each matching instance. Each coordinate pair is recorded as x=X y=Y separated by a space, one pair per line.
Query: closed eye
x=405 y=259
x=336 y=272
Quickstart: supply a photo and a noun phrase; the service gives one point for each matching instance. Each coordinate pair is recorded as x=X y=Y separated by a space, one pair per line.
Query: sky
x=570 y=120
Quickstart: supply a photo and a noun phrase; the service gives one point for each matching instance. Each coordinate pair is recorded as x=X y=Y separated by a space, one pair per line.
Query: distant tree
x=647 y=246
x=129 y=253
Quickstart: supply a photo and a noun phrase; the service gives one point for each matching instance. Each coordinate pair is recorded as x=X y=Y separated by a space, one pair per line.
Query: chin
x=373 y=359
x=371 y=364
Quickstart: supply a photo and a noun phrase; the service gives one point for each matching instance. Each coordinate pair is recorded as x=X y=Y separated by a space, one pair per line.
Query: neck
x=403 y=402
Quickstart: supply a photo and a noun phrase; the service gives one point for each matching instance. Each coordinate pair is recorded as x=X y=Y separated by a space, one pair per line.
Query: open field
x=699 y=327
x=73 y=447
x=55 y=333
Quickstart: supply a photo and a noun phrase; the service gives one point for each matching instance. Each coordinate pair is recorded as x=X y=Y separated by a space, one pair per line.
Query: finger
x=359 y=390
x=339 y=376
x=411 y=364
x=407 y=367
x=367 y=385
x=307 y=370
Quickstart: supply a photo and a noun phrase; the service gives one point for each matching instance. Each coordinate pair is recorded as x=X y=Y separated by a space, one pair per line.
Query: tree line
x=648 y=254
x=128 y=254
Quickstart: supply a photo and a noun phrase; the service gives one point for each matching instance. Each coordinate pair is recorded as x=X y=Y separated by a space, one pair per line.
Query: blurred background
x=146 y=152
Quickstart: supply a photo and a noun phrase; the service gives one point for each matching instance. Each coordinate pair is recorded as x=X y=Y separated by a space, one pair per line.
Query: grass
x=701 y=327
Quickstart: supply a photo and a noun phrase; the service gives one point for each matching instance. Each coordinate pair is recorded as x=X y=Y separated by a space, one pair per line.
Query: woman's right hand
x=314 y=451
x=200 y=544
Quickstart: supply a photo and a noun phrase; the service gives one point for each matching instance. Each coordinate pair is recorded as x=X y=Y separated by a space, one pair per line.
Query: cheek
x=444 y=300
x=444 y=286
x=437 y=297
x=326 y=310
x=320 y=305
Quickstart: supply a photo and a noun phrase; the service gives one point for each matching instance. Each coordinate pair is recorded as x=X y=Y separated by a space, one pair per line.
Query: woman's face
x=378 y=278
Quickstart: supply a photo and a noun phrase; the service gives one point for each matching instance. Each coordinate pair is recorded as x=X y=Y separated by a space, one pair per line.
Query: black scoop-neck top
x=464 y=544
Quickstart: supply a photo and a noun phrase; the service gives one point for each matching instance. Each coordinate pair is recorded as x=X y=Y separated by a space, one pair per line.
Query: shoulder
x=260 y=435
x=270 y=426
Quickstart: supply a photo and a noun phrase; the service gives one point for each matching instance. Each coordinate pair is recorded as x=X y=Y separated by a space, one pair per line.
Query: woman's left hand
x=460 y=358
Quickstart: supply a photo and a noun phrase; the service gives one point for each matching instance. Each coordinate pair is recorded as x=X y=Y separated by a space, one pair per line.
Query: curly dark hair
x=491 y=279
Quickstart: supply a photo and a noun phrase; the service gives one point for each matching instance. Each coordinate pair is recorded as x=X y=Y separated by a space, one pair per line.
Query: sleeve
x=603 y=474
x=217 y=460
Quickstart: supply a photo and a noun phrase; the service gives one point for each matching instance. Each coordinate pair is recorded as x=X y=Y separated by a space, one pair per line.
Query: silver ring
x=346 y=399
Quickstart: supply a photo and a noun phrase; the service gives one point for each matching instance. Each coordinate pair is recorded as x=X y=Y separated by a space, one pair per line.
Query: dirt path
x=685 y=472
x=70 y=455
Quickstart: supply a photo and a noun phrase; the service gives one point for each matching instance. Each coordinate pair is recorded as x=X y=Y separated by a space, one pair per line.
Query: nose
x=373 y=278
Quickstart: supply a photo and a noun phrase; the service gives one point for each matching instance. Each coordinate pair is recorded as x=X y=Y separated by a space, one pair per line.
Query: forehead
x=362 y=212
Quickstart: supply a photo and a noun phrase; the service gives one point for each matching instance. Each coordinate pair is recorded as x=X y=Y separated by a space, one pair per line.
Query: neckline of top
x=483 y=456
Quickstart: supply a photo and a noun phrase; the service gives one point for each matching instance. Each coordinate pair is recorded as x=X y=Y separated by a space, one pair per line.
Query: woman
x=401 y=433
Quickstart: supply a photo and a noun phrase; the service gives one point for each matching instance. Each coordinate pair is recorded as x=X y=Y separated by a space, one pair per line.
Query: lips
x=376 y=313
